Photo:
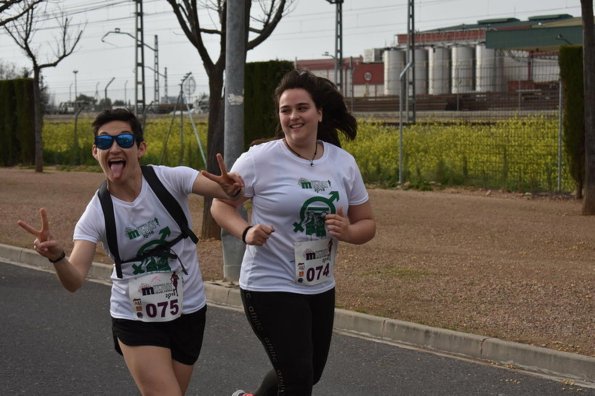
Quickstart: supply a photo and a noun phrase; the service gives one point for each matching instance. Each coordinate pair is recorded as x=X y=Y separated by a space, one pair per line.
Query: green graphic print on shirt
x=153 y=263
x=314 y=209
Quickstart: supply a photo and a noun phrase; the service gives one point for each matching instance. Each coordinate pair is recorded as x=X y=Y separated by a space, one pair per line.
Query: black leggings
x=296 y=331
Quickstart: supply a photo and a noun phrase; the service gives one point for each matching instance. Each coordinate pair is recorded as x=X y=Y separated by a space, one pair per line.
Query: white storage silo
x=438 y=71
x=421 y=71
x=545 y=70
x=462 y=69
x=516 y=66
x=394 y=62
x=489 y=68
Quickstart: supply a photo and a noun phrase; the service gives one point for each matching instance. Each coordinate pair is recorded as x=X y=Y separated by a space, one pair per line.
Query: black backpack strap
x=170 y=203
x=110 y=225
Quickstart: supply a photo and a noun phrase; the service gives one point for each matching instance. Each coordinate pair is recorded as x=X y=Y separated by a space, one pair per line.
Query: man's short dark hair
x=119 y=115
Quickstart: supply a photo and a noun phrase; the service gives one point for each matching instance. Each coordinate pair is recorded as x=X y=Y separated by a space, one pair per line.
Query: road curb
x=511 y=354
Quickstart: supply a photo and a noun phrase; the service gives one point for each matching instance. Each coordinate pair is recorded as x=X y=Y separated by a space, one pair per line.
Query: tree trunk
x=210 y=229
x=589 y=89
x=38 y=114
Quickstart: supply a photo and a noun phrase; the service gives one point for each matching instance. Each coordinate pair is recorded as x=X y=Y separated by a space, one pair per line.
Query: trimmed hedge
x=17 y=129
x=571 y=74
x=261 y=78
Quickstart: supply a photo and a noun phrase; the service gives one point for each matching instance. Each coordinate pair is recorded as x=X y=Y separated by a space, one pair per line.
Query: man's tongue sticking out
x=117 y=167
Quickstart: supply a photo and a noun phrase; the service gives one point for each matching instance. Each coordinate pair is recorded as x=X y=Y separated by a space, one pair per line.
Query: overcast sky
x=305 y=33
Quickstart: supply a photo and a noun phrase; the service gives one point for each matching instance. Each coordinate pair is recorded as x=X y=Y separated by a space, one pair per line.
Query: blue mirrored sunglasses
x=124 y=140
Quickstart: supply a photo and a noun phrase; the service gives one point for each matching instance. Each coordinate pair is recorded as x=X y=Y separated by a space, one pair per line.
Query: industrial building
x=496 y=57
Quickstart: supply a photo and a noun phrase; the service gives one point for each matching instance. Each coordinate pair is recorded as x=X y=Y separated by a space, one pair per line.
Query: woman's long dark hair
x=335 y=116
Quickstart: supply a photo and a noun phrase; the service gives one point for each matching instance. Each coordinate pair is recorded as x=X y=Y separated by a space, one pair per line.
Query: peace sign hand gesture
x=44 y=244
x=230 y=183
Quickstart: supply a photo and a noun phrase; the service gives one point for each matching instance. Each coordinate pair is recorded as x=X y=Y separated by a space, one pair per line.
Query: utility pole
x=411 y=55
x=105 y=96
x=235 y=61
x=139 y=60
x=75 y=90
x=155 y=70
x=165 y=84
x=338 y=43
x=186 y=77
x=156 y=73
x=407 y=84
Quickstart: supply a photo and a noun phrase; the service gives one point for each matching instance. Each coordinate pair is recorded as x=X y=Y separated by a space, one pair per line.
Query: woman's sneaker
x=242 y=393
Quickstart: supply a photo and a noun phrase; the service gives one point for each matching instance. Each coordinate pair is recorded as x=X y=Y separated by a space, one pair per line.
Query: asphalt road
x=57 y=343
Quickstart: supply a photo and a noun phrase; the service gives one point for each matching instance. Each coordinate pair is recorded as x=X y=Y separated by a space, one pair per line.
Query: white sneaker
x=242 y=393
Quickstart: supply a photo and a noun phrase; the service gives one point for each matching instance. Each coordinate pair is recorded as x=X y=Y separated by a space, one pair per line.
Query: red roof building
x=359 y=78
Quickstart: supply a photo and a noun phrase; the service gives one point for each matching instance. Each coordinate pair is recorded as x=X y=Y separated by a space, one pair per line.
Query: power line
x=116 y=12
x=88 y=7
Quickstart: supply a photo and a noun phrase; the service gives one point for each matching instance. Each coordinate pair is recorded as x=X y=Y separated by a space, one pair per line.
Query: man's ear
x=142 y=149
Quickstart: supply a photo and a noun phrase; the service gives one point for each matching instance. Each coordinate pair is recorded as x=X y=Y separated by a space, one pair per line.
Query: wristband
x=245 y=233
x=60 y=258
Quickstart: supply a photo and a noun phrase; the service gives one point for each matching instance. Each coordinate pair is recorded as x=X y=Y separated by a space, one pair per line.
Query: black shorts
x=183 y=336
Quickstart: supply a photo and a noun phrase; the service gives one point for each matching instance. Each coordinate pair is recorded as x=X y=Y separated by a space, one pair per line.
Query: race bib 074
x=314 y=261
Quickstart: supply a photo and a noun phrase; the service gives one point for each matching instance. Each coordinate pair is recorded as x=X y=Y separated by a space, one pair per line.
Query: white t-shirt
x=293 y=196
x=140 y=225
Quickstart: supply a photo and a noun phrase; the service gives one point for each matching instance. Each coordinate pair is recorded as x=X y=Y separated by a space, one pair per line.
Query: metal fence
x=521 y=89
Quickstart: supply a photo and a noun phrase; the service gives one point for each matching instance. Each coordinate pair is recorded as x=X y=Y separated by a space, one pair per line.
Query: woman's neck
x=308 y=153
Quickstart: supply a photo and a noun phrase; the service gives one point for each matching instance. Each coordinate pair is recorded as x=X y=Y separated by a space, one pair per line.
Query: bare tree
x=589 y=89
x=11 y=10
x=23 y=33
x=8 y=71
x=260 y=22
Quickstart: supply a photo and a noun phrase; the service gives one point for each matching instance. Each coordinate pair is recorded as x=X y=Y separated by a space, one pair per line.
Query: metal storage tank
x=545 y=70
x=516 y=66
x=489 y=68
x=394 y=62
x=438 y=70
x=421 y=71
x=462 y=69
